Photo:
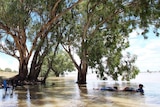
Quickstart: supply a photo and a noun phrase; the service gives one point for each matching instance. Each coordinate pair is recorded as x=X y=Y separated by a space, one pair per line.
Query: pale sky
x=7 y=61
x=147 y=50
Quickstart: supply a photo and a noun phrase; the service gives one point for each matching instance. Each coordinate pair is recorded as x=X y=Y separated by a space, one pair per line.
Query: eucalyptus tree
x=25 y=27
x=58 y=63
x=97 y=32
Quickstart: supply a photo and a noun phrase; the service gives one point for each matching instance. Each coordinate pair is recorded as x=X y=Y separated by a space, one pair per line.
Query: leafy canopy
x=98 y=31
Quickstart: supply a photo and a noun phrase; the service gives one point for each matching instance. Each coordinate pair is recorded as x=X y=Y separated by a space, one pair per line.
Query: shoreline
x=7 y=74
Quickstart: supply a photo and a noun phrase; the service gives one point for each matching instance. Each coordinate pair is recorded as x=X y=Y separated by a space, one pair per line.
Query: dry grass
x=7 y=74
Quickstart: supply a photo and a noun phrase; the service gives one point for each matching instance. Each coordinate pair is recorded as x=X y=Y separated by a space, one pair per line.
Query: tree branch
x=53 y=12
x=48 y=25
x=71 y=56
x=8 y=53
x=12 y=33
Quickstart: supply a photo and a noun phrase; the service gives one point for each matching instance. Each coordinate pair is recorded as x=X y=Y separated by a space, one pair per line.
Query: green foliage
x=26 y=28
x=1 y=70
x=13 y=13
x=124 y=68
x=27 y=15
x=59 y=64
x=96 y=30
x=99 y=30
x=62 y=63
x=8 y=70
x=14 y=71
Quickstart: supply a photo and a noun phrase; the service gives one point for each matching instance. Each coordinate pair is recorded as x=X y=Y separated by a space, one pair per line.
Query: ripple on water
x=66 y=93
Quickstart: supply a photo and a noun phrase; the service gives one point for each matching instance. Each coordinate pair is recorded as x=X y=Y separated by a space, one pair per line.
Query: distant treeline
x=150 y=71
x=7 y=70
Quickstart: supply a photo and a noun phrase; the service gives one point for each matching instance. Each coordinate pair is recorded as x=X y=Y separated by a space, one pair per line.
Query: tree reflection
x=83 y=88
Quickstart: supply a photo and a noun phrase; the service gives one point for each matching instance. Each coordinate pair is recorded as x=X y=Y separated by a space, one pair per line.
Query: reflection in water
x=66 y=93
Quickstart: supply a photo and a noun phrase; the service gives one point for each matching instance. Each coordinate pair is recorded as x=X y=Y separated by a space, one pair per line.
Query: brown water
x=66 y=93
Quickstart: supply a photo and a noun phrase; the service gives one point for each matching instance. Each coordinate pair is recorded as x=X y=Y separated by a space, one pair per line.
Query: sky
x=7 y=61
x=147 y=51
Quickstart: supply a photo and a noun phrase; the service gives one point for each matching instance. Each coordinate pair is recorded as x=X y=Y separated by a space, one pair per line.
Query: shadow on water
x=66 y=93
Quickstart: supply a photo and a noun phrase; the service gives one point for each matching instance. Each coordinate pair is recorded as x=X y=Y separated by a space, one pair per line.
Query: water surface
x=66 y=93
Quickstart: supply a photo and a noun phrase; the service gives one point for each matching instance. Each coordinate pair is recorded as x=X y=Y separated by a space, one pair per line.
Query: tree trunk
x=33 y=75
x=37 y=62
x=38 y=70
x=81 y=78
x=82 y=74
x=35 y=68
x=46 y=75
x=33 y=71
x=82 y=68
x=23 y=70
x=56 y=73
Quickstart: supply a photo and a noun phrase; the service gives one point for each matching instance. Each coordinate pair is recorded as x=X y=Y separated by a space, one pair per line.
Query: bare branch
x=6 y=51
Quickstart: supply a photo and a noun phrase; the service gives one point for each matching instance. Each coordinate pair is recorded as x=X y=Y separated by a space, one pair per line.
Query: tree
x=1 y=70
x=98 y=30
x=8 y=70
x=59 y=64
x=24 y=26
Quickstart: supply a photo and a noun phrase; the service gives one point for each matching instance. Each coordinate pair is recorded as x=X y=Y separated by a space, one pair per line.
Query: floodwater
x=66 y=93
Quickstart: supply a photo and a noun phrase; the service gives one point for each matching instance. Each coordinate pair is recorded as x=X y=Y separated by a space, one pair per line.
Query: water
x=66 y=93
x=152 y=86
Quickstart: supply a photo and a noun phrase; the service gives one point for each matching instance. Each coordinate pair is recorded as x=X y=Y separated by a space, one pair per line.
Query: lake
x=66 y=93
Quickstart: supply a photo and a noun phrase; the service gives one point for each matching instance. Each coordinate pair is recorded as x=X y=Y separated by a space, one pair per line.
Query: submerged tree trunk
x=82 y=73
x=81 y=78
x=45 y=76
